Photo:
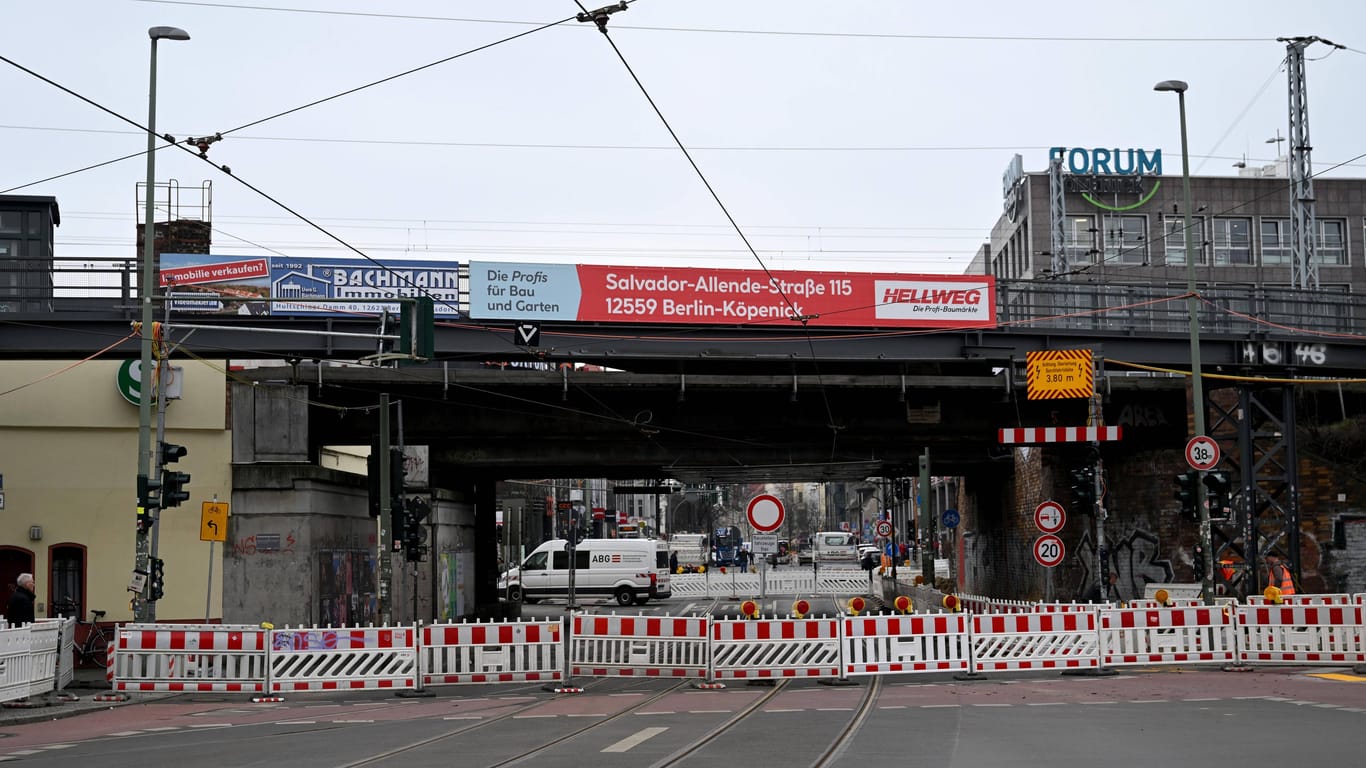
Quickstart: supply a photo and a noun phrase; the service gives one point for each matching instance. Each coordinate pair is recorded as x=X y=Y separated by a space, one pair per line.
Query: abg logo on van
x=604 y=558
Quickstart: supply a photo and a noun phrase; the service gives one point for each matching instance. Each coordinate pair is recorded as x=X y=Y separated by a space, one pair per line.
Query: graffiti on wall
x=264 y=544
x=1136 y=557
x=347 y=592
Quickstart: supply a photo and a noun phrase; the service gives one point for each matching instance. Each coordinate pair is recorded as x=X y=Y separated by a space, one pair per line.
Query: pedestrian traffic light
x=156 y=589
x=1185 y=493
x=149 y=495
x=1217 y=483
x=173 y=492
x=1084 y=490
x=417 y=511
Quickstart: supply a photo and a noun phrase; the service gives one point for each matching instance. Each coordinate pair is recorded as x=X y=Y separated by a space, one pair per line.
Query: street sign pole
x=926 y=524
x=1102 y=557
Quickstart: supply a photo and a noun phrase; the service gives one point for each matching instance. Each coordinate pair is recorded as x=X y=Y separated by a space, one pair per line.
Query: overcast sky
x=860 y=136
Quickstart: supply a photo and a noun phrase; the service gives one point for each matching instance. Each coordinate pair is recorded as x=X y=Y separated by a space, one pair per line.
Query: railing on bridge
x=66 y=284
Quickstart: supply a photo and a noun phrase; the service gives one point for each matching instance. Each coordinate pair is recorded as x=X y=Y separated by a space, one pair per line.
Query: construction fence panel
x=874 y=645
x=1299 y=634
x=1324 y=599
x=188 y=658
x=842 y=582
x=342 y=659
x=494 y=652
x=66 y=656
x=639 y=646
x=1023 y=641
x=15 y=663
x=1162 y=635
x=770 y=647
x=45 y=638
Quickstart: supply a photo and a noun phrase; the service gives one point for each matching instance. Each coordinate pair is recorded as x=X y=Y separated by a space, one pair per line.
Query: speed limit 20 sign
x=1049 y=550
x=1202 y=453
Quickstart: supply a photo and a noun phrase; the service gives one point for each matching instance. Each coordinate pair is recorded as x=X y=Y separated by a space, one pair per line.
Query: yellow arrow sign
x=213 y=521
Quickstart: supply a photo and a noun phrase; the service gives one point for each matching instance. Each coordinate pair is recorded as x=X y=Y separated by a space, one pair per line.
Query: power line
x=725 y=31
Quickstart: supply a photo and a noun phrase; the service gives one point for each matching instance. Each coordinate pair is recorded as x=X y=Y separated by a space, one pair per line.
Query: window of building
x=1232 y=240
x=1080 y=239
x=1331 y=245
x=1174 y=239
x=67 y=579
x=1126 y=239
x=11 y=222
x=1276 y=247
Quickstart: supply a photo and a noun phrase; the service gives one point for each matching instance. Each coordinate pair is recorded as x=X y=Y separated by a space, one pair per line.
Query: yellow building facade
x=68 y=468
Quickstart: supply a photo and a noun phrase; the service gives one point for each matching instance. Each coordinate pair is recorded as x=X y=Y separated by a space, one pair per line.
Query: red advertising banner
x=737 y=296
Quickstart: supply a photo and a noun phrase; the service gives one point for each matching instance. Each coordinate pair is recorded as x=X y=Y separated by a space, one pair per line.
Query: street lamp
x=1193 y=308
x=146 y=479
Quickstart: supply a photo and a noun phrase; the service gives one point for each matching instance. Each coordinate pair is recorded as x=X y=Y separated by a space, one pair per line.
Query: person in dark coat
x=20 y=608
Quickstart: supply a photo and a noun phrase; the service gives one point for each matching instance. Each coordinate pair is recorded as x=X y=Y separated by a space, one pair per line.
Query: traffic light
x=173 y=492
x=1217 y=483
x=156 y=589
x=398 y=527
x=417 y=511
x=1084 y=490
x=149 y=497
x=1185 y=493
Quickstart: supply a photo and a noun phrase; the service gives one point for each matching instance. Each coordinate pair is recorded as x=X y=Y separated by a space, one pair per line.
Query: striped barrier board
x=188 y=658
x=639 y=646
x=1068 y=607
x=1326 y=599
x=1034 y=641
x=887 y=644
x=1024 y=435
x=342 y=659
x=500 y=652
x=1167 y=635
x=1289 y=634
x=771 y=648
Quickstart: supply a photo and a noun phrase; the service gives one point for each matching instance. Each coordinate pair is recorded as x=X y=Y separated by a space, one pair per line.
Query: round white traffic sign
x=1202 y=453
x=1049 y=550
x=765 y=513
x=884 y=528
x=1049 y=516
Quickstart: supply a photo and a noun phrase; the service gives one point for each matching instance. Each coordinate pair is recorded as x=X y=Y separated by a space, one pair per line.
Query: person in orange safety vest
x=1278 y=575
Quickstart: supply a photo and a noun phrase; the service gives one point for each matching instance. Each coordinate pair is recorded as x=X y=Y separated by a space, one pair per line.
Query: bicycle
x=94 y=649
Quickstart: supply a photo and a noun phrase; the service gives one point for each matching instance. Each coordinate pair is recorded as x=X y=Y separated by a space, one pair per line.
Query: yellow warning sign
x=213 y=521
x=1059 y=374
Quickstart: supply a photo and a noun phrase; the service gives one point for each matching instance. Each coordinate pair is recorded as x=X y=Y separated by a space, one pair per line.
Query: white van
x=835 y=547
x=629 y=570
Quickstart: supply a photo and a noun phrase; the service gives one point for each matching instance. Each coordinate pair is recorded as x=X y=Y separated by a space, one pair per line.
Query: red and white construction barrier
x=755 y=649
x=188 y=657
x=644 y=646
x=342 y=659
x=1035 y=641
x=1289 y=634
x=875 y=645
x=1167 y=635
x=499 y=652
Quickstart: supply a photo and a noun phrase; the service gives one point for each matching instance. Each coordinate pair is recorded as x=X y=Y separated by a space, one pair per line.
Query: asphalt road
x=1144 y=717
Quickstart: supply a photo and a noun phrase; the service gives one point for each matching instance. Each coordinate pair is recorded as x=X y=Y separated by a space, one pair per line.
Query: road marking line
x=1149 y=701
x=464 y=717
x=211 y=725
x=893 y=706
x=1200 y=699
x=126 y=733
x=625 y=694
x=162 y=728
x=297 y=722
x=587 y=714
x=353 y=721
x=709 y=711
x=834 y=709
x=939 y=706
x=990 y=705
x=784 y=710
x=635 y=739
x=530 y=717
x=1341 y=677
x=1329 y=706
x=27 y=752
x=1045 y=704
x=659 y=712
x=58 y=746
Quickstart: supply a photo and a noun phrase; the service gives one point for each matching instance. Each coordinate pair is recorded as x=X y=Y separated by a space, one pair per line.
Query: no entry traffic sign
x=1049 y=516
x=1049 y=550
x=765 y=513
x=1202 y=452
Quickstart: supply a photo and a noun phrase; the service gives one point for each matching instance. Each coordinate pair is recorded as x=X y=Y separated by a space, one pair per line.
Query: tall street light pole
x=147 y=480
x=1193 y=308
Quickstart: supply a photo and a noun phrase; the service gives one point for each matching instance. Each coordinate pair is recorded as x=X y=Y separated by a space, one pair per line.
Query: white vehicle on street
x=835 y=547
x=628 y=570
